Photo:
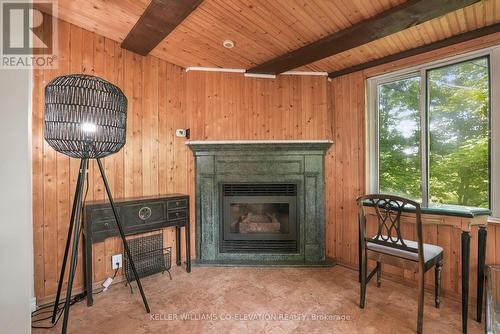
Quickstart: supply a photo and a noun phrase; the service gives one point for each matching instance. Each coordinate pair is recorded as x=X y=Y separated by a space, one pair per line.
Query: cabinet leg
x=465 y=278
x=188 y=249
x=178 y=245
x=481 y=257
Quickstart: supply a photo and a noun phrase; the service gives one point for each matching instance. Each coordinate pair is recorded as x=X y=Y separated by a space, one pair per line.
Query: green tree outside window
x=458 y=135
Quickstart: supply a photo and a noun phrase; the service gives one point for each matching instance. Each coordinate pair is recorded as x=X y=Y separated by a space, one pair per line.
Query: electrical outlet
x=116 y=261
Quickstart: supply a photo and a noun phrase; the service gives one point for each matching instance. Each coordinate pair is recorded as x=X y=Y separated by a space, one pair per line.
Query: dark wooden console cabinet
x=157 y=212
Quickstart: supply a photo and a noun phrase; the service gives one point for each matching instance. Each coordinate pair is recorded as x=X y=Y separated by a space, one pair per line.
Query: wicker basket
x=149 y=255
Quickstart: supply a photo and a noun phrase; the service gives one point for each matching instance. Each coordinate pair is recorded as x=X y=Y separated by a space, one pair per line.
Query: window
x=399 y=137
x=429 y=131
x=458 y=113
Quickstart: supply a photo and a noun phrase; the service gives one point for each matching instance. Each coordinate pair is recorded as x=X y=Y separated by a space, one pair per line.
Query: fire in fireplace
x=259 y=217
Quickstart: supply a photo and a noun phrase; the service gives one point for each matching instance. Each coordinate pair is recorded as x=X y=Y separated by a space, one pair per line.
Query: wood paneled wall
x=345 y=176
x=229 y=106
x=152 y=162
x=215 y=106
x=162 y=97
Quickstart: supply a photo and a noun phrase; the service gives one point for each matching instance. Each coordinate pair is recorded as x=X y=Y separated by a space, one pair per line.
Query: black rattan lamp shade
x=85 y=116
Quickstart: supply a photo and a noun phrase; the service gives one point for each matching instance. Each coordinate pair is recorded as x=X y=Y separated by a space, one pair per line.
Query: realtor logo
x=29 y=34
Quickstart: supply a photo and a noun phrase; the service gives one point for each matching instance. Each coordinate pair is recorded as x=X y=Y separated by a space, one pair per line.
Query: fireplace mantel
x=300 y=162
x=203 y=145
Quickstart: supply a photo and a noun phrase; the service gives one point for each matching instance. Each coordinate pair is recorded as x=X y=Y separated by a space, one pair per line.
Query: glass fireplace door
x=259 y=218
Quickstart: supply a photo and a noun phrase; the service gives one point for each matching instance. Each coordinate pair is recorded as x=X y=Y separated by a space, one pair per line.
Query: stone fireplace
x=260 y=202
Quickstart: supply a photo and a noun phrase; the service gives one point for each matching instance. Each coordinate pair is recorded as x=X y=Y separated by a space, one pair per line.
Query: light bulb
x=89 y=127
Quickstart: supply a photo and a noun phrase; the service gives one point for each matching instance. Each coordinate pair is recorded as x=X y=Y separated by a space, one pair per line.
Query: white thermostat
x=183 y=133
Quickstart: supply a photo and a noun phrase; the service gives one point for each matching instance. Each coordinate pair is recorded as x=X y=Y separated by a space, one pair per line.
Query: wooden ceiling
x=264 y=29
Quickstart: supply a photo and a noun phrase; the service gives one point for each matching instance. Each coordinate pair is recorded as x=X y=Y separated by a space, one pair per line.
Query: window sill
x=493 y=220
x=449 y=210
x=456 y=210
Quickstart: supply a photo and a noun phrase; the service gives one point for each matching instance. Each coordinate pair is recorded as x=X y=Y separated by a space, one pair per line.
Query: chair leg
x=379 y=273
x=437 y=282
x=363 y=280
x=420 y=317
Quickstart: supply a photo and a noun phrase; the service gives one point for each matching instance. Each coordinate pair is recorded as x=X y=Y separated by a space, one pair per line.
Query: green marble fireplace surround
x=297 y=162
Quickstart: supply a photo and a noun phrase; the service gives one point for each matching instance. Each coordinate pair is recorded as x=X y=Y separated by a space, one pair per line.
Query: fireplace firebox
x=259 y=217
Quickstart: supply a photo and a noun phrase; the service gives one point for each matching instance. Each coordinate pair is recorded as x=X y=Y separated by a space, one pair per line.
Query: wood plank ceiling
x=263 y=30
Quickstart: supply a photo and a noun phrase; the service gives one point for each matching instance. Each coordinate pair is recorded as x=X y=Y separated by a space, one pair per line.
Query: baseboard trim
x=33 y=304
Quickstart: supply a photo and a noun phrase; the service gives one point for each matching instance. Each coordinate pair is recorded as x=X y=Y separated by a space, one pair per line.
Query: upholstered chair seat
x=430 y=251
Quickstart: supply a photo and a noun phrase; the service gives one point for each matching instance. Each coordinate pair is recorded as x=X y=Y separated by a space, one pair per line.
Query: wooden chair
x=388 y=246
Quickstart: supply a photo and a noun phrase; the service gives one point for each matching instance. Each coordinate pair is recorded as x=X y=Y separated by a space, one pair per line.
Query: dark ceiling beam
x=158 y=20
x=419 y=50
x=398 y=18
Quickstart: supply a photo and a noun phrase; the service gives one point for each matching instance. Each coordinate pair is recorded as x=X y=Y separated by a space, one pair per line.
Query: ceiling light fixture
x=228 y=44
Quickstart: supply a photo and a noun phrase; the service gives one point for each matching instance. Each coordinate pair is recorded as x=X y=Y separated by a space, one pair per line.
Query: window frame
x=420 y=71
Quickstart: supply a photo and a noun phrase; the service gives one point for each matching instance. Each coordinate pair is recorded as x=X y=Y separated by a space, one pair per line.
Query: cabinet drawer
x=177 y=204
x=105 y=225
x=103 y=219
x=139 y=214
x=175 y=215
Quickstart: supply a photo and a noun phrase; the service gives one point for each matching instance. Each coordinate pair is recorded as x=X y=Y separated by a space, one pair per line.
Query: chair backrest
x=388 y=210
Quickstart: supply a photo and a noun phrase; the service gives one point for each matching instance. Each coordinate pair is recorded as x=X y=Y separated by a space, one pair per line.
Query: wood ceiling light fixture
x=406 y=15
x=159 y=19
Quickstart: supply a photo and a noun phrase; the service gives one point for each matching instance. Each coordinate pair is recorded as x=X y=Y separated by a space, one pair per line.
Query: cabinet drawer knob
x=177 y=214
x=177 y=203
x=106 y=225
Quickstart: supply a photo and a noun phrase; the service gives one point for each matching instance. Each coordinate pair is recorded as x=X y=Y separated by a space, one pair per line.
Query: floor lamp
x=85 y=118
